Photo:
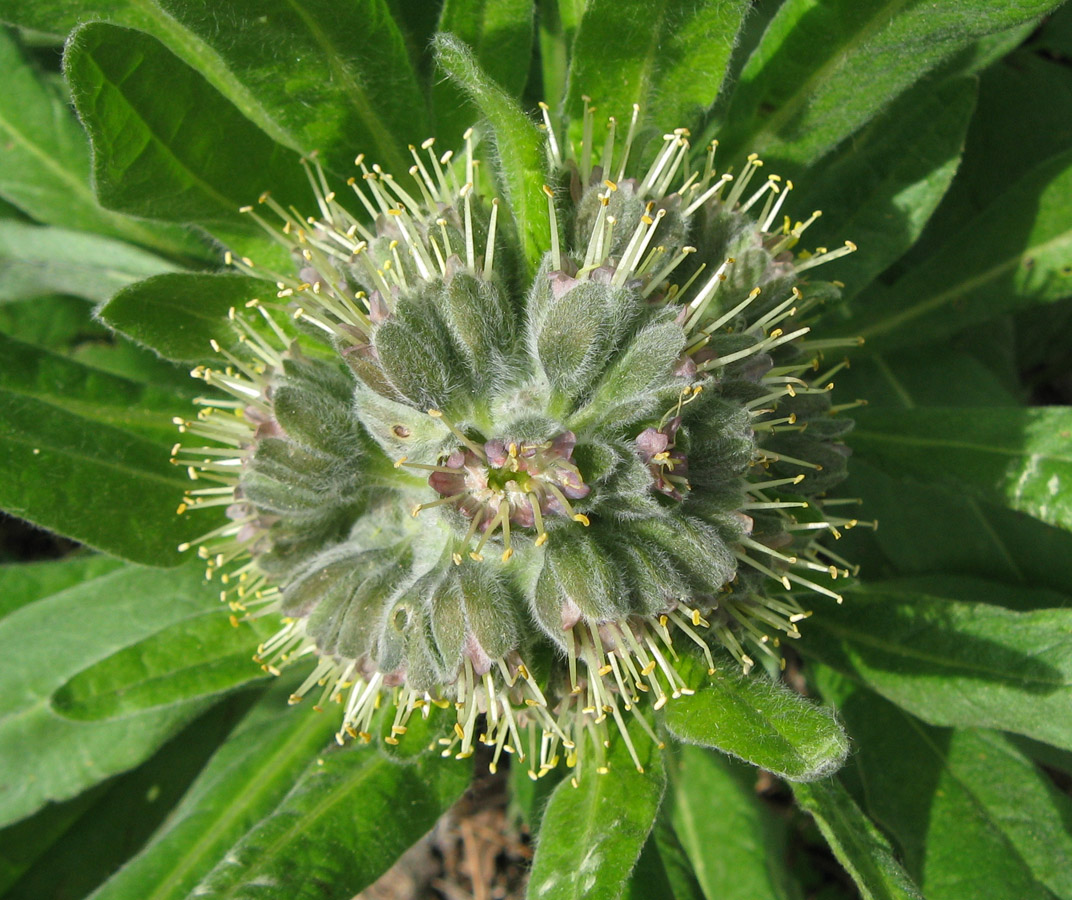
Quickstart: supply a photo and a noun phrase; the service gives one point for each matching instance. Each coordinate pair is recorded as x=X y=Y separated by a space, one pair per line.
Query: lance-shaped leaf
x=242 y=783
x=1015 y=253
x=44 y=162
x=754 y=719
x=36 y=261
x=992 y=542
x=178 y=314
x=500 y=33
x=880 y=190
x=669 y=55
x=823 y=70
x=101 y=437
x=715 y=805
x=596 y=825
x=1024 y=93
x=1021 y=458
x=518 y=145
x=24 y=583
x=663 y=869
x=972 y=814
x=53 y=639
x=362 y=93
x=372 y=805
x=859 y=846
x=952 y=662
x=166 y=145
x=69 y=849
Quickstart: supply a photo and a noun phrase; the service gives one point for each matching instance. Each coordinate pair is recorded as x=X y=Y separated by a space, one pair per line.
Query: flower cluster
x=520 y=499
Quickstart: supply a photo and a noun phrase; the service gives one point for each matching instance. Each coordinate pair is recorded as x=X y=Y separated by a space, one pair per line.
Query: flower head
x=521 y=500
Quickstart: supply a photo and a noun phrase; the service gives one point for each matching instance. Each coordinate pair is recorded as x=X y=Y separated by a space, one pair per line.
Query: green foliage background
x=142 y=756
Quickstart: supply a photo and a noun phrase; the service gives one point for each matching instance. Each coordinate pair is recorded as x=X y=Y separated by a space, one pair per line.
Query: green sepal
x=577 y=579
x=416 y=354
x=637 y=381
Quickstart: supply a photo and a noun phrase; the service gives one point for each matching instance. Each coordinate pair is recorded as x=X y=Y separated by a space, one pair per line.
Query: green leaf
x=69 y=849
x=952 y=662
x=821 y=71
x=347 y=819
x=1016 y=252
x=916 y=522
x=663 y=869
x=24 y=583
x=178 y=314
x=355 y=89
x=558 y=21
x=974 y=817
x=754 y=719
x=668 y=56
x=1056 y=34
x=1013 y=456
x=500 y=35
x=36 y=261
x=63 y=423
x=44 y=162
x=858 y=845
x=53 y=323
x=714 y=805
x=198 y=657
x=596 y=825
x=166 y=145
x=923 y=376
x=47 y=643
x=519 y=146
x=1022 y=94
x=880 y=190
x=243 y=782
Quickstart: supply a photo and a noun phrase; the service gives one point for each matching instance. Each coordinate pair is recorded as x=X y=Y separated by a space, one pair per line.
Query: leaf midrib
x=975 y=800
x=854 y=637
x=234 y=811
x=806 y=89
x=950 y=443
x=141 y=415
x=332 y=798
x=105 y=462
x=949 y=295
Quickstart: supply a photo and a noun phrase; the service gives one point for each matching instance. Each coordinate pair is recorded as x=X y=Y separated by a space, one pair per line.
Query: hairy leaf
x=44 y=162
x=1021 y=458
x=880 y=190
x=821 y=71
x=166 y=144
x=973 y=815
x=361 y=95
x=595 y=826
x=114 y=611
x=36 y=261
x=1013 y=254
x=500 y=34
x=64 y=423
x=858 y=845
x=354 y=798
x=243 y=782
x=518 y=145
x=178 y=314
x=952 y=662
x=761 y=722
x=714 y=805
x=665 y=55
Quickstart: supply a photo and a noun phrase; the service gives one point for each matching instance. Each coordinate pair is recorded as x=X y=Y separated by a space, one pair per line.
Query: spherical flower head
x=515 y=503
